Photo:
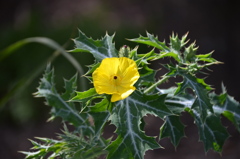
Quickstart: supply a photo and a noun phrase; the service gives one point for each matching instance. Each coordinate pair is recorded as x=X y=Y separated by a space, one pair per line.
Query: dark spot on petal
x=114 y=77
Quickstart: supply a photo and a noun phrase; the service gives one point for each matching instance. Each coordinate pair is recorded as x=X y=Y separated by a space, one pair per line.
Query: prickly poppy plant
x=125 y=89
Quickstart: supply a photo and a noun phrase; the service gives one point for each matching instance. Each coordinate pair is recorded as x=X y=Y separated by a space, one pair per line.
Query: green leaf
x=211 y=132
x=131 y=142
x=172 y=128
x=202 y=102
x=190 y=53
x=165 y=50
x=59 y=105
x=93 y=153
x=228 y=107
x=100 y=119
x=46 y=147
x=91 y=69
x=184 y=55
x=146 y=73
x=177 y=104
x=99 y=48
x=145 y=57
x=151 y=41
x=168 y=54
x=83 y=95
x=101 y=106
x=176 y=43
x=206 y=58
x=70 y=88
x=70 y=145
x=98 y=111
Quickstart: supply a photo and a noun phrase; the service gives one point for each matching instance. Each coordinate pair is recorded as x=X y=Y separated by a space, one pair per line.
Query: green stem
x=149 y=89
x=48 y=42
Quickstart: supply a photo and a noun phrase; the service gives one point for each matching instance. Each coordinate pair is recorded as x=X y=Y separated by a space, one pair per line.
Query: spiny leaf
x=59 y=106
x=36 y=154
x=70 y=88
x=99 y=48
x=146 y=74
x=227 y=106
x=83 y=95
x=177 y=43
x=165 y=51
x=179 y=103
x=93 y=153
x=151 y=41
x=168 y=54
x=126 y=116
x=211 y=132
x=100 y=119
x=48 y=147
x=177 y=49
x=71 y=145
x=174 y=50
x=172 y=128
x=206 y=58
x=99 y=111
x=190 y=53
x=101 y=106
x=91 y=69
x=145 y=57
x=201 y=89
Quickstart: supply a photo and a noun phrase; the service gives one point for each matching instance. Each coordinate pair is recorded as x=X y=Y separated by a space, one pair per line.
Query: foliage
x=89 y=112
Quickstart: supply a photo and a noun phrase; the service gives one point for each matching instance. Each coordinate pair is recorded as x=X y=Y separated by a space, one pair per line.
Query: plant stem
x=149 y=89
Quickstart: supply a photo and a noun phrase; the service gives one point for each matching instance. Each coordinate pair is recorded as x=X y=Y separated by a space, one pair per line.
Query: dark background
x=214 y=24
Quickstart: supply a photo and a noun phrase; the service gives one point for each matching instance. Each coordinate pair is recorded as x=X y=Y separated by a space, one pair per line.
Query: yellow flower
x=116 y=76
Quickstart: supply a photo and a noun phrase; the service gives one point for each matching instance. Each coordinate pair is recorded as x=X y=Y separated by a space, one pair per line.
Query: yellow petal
x=101 y=83
x=109 y=65
x=117 y=97
x=116 y=76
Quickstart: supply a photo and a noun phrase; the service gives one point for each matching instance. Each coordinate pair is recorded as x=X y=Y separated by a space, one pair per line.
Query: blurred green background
x=214 y=24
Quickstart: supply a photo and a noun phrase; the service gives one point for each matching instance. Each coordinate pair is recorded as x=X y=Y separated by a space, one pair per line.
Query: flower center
x=115 y=77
